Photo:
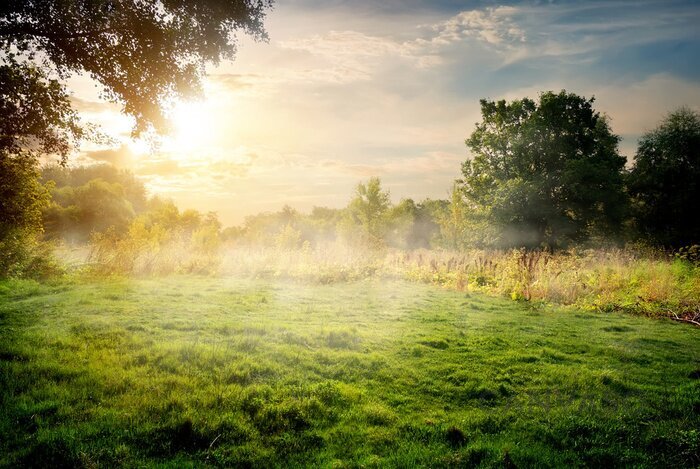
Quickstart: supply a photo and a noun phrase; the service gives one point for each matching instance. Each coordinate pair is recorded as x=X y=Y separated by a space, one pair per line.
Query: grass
x=194 y=371
x=648 y=283
x=638 y=280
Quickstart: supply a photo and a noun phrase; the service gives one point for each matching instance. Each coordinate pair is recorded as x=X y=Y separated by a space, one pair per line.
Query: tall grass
x=649 y=283
x=640 y=281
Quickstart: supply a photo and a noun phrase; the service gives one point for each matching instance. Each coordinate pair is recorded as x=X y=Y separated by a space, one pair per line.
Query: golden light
x=193 y=125
x=139 y=146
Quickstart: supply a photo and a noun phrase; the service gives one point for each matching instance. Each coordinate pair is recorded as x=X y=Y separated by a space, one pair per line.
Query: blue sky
x=348 y=90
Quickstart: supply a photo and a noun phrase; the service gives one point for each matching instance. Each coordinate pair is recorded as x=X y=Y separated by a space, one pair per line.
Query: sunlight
x=139 y=146
x=193 y=126
x=349 y=234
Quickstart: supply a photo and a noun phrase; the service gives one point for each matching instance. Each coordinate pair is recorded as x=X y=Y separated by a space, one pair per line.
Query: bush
x=22 y=198
x=159 y=243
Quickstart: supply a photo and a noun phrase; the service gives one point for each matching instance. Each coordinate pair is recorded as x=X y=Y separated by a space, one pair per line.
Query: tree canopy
x=144 y=54
x=665 y=180
x=545 y=172
x=369 y=208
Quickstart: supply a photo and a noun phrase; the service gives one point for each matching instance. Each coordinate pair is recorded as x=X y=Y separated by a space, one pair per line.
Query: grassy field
x=194 y=371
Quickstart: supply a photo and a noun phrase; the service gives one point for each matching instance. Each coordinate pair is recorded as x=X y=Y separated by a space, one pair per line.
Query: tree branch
x=29 y=30
x=688 y=320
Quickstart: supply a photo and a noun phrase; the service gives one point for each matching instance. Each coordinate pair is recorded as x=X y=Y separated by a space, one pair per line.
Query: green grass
x=188 y=371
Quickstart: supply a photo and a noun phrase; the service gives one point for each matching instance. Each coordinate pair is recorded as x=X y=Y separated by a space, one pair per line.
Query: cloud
x=351 y=56
x=165 y=167
x=241 y=80
x=345 y=44
x=639 y=107
x=222 y=169
x=430 y=163
x=236 y=82
x=353 y=169
x=121 y=157
x=578 y=32
x=209 y=173
x=494 y=26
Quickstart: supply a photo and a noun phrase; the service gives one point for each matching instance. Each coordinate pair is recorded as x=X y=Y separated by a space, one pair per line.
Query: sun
x=193 y=129
x=193 y=126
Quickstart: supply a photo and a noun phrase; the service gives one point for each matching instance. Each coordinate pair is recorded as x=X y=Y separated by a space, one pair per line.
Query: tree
x=22 y=199
x=665 y=180
x=144 y=54
x=400 y=221
x=322 y=222
x=453 y=220
x=91 y=199
x=368 y=210
x=426 y=227
x=545 y=173
x=35 y=112
x=72 y=177
x=77 y=212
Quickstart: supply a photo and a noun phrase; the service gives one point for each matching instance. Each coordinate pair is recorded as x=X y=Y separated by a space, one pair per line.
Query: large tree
x=545 y=172
x=145 y=54
x=665 y=180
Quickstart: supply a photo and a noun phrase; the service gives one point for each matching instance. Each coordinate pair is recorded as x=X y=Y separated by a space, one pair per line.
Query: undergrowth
x=650 y=283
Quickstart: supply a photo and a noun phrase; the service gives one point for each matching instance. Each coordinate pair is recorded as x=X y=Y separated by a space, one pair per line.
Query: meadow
x=645 y=281
x=544 y=311
x=196 y=371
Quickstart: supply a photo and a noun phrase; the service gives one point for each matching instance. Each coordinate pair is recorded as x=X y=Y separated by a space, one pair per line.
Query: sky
x=347 y=90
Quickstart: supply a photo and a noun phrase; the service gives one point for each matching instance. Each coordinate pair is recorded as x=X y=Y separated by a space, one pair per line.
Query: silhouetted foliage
x=665 y=180
x=546 y=172
x=36 y=115
x=144 y=53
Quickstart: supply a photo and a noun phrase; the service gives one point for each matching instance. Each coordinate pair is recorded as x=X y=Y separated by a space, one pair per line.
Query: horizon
x=340 y=94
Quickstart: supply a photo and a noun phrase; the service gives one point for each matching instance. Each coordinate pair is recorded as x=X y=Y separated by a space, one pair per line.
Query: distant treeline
x=542 y=174
x=88 y=202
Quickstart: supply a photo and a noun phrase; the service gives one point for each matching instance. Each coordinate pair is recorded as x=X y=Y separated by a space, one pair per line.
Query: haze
x=348 y=90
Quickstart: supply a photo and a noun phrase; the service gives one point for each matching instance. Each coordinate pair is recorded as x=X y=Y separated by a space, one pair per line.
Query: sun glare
x=139 y=146
x=193 y=126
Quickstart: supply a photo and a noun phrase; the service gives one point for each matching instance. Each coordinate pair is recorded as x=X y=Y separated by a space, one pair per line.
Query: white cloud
x=351 y=56
x=494 y=26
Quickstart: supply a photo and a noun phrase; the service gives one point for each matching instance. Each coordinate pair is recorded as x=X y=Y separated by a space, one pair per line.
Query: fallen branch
x=693 y=320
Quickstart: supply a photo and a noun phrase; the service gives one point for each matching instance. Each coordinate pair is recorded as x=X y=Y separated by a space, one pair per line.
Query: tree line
x=548 y=173
x=544 y=174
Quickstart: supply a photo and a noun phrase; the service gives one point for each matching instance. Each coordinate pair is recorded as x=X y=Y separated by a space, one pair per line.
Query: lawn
x=195 y=371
